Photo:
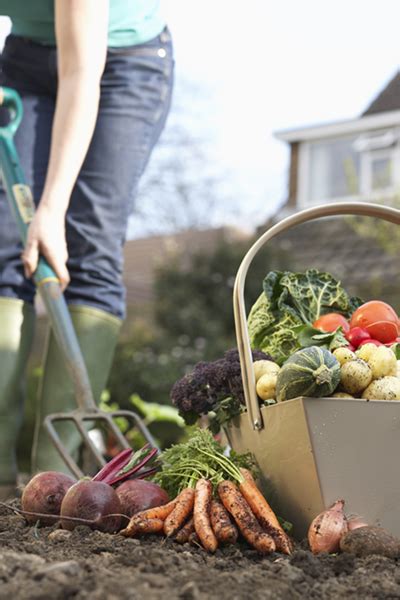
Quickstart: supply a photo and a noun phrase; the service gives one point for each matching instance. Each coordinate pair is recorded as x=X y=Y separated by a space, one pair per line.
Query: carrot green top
x=131 y=22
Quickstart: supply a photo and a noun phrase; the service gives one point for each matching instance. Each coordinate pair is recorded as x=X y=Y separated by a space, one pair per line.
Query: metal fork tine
x=86 y=438
x=78 y=417
x=62 y=450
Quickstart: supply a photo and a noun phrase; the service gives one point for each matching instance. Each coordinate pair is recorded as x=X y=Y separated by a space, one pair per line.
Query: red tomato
x=378 y=318
x=330 y=322
x=357 y=335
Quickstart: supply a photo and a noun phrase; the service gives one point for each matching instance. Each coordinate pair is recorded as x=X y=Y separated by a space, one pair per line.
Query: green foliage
x=193 y=321
x=200 y=456
x=384 y=233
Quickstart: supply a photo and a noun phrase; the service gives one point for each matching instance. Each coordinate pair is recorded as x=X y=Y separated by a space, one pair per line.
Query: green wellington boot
x=17 y=322
x=97 y=332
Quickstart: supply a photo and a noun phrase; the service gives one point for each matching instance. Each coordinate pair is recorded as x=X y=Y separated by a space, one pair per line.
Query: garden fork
x=21 y=202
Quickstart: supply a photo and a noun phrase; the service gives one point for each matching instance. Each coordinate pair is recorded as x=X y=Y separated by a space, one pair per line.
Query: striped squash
x=311 y=372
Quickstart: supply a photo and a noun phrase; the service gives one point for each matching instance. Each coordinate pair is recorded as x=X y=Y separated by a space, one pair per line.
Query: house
x=353 y=160
x=357 y=159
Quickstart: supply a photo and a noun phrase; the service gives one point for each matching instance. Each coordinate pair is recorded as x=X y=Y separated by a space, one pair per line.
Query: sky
x=267 y=66
x=261 y=66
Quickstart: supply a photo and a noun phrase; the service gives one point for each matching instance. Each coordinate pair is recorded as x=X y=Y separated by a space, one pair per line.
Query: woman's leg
x=135 y=99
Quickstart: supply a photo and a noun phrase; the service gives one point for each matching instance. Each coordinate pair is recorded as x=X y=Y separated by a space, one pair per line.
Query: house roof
x=384 y=111
x=387 y=100
x=143 y=256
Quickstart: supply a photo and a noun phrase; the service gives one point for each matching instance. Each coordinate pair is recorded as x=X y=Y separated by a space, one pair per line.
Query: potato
x=263 y=367
x=366 y=351
x=382 y=362
x=369 y=540
x=398 y=369
x=355 y=376
x=385 y=388
x=343 y=354
x=266 y=386
x=342 y=395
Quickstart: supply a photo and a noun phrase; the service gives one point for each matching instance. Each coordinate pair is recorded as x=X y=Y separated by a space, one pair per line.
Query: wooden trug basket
x=313 y=451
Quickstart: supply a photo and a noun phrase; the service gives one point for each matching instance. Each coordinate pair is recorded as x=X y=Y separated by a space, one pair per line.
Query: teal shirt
x=131 y=22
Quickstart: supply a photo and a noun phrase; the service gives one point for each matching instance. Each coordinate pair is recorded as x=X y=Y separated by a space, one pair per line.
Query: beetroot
x=138 y=494
x=44 y=494
x=89 y=503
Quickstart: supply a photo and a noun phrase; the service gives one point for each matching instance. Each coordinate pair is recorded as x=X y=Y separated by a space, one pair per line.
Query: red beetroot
x=89 y=503
x=138 y=494
x=44 y=494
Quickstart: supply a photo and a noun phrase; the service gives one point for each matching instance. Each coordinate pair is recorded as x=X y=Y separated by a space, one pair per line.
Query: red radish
x=138 y=494
x=44 y=494
x=356 y=335
x=91 y=501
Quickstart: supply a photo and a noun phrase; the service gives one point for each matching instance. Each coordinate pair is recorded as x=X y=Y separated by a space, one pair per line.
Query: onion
x=95 y=503
x=44 y=494
x=327 y=528
x=138 y=494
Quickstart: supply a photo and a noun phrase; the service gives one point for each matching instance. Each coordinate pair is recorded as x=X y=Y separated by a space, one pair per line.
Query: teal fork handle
x=22 y=206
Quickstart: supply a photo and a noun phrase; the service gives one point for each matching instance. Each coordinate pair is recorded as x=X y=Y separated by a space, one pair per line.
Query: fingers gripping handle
x=242 y=334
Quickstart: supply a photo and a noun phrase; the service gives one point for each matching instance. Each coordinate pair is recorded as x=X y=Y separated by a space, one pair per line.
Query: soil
x=50 y=563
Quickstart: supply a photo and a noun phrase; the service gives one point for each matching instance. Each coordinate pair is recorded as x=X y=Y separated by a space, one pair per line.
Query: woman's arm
x=81 y=34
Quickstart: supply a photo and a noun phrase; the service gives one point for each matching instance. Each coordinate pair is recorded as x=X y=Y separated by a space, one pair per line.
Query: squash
x=311 y=372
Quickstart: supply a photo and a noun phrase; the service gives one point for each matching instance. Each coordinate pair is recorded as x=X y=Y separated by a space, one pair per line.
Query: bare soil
x=49 y=563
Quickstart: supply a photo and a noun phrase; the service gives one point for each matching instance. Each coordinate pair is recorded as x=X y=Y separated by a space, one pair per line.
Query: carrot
x=225 y=531
x=264 y=512
x=248 y=525
x=143 y=526
x=201 y=515
x=194 y=540
x=157 y=512
x=183 y=534
x=183 y=507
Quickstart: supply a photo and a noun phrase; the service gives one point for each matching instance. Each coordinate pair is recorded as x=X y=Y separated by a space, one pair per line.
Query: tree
x=193 y=320
x=184 y=186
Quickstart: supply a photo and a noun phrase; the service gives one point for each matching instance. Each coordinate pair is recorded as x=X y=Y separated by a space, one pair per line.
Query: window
x=349 y=167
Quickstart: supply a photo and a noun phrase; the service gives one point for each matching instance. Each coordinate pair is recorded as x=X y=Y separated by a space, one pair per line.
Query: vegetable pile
x=215 y=500
x=281 y=320
x=97 y=502
x=309 y=338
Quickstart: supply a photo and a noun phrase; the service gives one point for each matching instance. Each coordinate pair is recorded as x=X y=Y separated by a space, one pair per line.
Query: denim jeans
x=135 y=98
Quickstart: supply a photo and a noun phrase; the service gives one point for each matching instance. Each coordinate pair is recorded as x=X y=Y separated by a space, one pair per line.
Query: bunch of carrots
x=220 y=501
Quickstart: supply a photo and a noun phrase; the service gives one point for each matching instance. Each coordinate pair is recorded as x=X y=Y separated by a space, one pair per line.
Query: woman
x=95 y=77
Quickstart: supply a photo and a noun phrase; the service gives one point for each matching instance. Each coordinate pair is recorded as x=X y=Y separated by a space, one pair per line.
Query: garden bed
x=52 y=563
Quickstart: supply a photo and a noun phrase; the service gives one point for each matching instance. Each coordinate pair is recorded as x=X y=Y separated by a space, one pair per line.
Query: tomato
x=330 y=322
x=378 y=318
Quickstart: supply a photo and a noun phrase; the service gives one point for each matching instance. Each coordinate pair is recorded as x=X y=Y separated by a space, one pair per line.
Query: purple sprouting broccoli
x=214 y=388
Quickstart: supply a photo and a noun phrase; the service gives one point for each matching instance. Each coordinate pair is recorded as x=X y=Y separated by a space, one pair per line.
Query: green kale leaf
x=280 y=321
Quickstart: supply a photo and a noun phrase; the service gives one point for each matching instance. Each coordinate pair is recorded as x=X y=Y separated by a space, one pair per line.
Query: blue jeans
x=135 y=98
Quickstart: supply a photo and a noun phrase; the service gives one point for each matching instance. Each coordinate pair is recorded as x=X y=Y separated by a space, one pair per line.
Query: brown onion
x=327 y=528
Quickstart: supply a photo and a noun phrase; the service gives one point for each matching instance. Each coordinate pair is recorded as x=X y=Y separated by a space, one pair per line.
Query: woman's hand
x=46 y=236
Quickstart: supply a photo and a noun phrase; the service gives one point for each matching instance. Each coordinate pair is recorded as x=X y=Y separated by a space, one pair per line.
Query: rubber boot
x=17 y=322
x=97 y=333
